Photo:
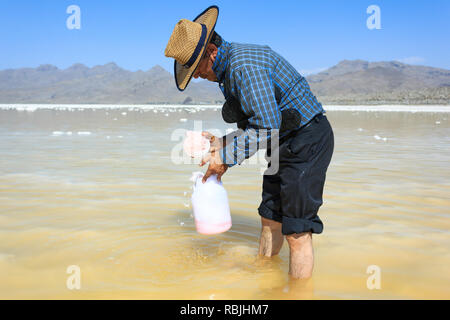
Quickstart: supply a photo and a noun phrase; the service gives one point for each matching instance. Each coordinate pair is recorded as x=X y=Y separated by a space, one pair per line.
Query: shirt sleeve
x=256 y=92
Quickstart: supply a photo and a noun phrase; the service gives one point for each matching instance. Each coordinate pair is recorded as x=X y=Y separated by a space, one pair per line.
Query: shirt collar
x=221 y=61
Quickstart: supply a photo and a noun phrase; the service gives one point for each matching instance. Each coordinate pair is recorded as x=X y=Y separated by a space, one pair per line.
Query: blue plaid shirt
x=265 y=84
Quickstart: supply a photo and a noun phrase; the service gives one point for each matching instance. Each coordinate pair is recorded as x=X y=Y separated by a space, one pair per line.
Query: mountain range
x=348 y=82
x=363 y=82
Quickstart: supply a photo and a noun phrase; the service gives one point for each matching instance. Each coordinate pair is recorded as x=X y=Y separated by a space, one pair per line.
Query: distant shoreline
x=367 y=108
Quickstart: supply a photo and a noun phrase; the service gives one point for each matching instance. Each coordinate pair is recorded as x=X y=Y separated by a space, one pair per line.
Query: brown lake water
x=97 y=188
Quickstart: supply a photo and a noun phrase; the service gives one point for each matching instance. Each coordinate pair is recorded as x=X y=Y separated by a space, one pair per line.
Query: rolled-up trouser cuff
x=299 y=225
x=267 y=213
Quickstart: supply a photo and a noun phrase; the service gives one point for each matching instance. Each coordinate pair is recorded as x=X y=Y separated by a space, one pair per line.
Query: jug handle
x=196 y=176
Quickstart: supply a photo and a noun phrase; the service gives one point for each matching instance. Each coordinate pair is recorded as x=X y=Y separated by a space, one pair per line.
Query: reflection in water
x=97 y=189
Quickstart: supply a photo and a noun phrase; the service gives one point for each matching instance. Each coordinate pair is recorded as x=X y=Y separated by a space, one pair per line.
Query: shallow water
x=97 y=188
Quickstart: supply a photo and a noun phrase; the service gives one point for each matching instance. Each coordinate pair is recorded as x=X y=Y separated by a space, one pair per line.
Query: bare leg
x=271 y=239
x=301 y=260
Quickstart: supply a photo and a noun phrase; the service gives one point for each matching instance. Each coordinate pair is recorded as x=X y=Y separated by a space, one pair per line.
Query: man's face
x=204 y=69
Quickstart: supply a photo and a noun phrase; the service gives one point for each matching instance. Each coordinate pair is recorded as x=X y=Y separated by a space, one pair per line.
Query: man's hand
x=216 y=165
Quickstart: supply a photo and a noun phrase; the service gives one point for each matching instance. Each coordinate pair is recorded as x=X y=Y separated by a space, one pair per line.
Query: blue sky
x=312 y=35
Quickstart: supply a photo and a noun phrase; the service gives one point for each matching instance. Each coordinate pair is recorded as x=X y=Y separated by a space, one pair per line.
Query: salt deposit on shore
x=196 y=108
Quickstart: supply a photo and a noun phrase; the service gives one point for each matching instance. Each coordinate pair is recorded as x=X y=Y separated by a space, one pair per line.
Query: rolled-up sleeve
x=256 y=92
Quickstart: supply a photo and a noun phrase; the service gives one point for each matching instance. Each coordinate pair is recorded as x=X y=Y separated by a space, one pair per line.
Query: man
x=263 y=92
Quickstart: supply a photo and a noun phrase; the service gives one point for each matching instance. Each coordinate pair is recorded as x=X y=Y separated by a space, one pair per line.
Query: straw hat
x=188 y=43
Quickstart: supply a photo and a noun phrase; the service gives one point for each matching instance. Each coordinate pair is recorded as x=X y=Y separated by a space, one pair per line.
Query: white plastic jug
x=210 y=204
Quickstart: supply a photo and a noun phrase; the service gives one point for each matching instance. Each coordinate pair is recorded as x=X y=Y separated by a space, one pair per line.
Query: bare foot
x=299 y=289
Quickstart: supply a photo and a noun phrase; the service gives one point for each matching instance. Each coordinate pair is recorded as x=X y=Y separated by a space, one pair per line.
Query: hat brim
x=184 y=75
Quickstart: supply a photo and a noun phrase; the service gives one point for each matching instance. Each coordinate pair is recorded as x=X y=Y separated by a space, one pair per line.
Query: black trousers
x=293 y=195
